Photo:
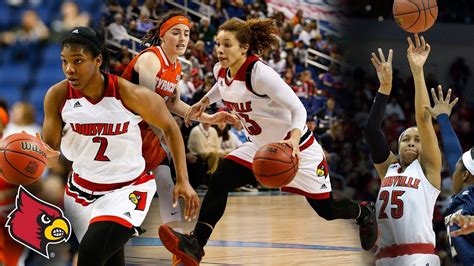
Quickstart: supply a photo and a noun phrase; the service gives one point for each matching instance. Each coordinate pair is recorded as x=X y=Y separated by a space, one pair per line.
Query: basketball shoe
x=184 y=246
x=368 y=229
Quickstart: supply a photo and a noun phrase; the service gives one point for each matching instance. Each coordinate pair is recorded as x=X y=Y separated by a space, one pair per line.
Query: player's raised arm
x=379 y=149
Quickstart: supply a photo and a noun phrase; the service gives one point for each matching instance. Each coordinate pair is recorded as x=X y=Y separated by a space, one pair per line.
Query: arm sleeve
x=214 y=94
x=374 y=136
x=451 y=145
x=266 y=81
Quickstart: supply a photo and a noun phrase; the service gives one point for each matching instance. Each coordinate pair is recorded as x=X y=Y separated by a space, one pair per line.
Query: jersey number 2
x=396 y=212
x=254 y=129
x=100 y=156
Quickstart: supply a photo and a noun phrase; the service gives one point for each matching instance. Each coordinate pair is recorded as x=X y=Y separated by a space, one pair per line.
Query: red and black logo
x=36 y=223
x=139 y=199
x=322 y=170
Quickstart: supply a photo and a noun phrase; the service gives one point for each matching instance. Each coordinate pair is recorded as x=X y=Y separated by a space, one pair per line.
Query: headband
x=468 y=160
x=3 y=116
x=168 y=24
x=87 y=34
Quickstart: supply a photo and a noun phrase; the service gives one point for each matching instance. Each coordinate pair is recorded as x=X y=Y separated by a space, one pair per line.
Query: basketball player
x=411 y=182
x=462 y=167
x=93 y=116
x=158 y=69
x=271 y=112
x=11 y=252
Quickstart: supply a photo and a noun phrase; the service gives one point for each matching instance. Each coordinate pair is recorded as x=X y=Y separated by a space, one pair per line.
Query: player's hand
x=383 y=67
x=194 y=112
x=465 y=222
x=51 y=154
x=223 y=117
x=294 y=144
x=441 y=104
x=191 y=200
x=417 y=53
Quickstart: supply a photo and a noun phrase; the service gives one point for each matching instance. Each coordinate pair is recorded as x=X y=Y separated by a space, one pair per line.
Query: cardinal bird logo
x=139 y=199
x=322 y=170
x=36 y=223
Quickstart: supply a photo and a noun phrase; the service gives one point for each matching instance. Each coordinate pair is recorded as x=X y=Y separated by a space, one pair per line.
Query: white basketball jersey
x=102 y=139
x=405 y=205
x=264 y=119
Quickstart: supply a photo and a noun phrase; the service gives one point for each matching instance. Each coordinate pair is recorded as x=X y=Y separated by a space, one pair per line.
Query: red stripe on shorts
x=405 y=249
x=239 y=161
x=98 y=187
x=110 y=218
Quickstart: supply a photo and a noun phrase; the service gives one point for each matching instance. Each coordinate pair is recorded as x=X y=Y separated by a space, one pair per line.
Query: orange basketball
x=415 y=16
x=22 y=159
x=273 y=165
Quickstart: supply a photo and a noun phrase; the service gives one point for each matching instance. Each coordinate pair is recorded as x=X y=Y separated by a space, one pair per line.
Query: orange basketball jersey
x=166 y=79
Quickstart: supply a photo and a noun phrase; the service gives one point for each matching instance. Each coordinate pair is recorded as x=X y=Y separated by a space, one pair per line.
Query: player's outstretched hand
x=191 y=199
x=383 y=67
x=417 y=53
x=223 y=117
x=194 y=113
x=441 y=104
x=465 y=222
x=52 y=155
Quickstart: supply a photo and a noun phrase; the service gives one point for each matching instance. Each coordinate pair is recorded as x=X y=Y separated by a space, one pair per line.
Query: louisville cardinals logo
x=139 y=199
x=36 y=223
x=322 y=170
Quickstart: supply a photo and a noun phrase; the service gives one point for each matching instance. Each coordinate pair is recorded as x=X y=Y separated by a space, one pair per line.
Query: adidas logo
x=324 y=186
x=77 y=104
x=127 y=214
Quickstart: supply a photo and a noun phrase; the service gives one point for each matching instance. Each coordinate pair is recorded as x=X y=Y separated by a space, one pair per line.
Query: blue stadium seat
x=14 y=75
x=11 y=94
x=48 y=76
x=51 y=56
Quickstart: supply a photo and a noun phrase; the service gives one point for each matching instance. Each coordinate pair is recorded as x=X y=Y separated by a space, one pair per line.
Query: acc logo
x=36 y=223
x=139 y=199
x=322 y=170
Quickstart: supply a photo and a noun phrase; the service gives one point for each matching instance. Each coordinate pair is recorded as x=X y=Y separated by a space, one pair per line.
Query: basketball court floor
x=262 y=228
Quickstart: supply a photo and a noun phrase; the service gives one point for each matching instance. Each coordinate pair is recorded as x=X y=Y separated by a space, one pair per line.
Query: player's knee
x=324 y=208
x=219 y=182
x=90 y=252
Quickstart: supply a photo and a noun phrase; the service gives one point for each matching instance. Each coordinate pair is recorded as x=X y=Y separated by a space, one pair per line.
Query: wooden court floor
x=262 y=229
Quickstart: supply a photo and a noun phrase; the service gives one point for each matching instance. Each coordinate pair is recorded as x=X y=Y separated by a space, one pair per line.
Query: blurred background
x=323 y=55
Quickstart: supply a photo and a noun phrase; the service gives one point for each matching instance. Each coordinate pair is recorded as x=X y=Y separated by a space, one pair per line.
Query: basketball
x=22 y=159
x=273 y=165
x=415 y=16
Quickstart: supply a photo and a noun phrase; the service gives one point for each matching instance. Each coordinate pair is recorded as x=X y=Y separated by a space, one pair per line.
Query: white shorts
x=312 y=179
x=410 y=260
x=127 y=205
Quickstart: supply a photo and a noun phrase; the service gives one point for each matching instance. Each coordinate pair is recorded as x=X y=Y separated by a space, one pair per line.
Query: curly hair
x=153 y=35
x=257 y=33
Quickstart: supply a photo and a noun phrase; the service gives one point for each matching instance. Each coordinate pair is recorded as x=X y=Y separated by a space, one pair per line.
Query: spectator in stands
x=229 y=141
x=238 y=130
x=70 y=18
x=304 y=35
x=144 y=24
x=26 y=40
x=331 y=80
x=118 y=31
x=149 y=9
x=394 y=108
x=204 y=142
x=23 y=118
x=133 y=10
x=277 y=63
x=327 y=115
x=206 y=31
x=187 y=87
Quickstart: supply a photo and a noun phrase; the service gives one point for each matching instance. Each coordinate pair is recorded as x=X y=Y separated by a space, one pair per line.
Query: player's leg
x=164 y=186
x=190 y=247
x=102 y=241
x=313 y=181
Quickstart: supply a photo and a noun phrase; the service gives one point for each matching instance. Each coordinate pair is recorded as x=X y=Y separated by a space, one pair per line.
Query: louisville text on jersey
x=400 y=181
x=239 y=107
x=100 y=129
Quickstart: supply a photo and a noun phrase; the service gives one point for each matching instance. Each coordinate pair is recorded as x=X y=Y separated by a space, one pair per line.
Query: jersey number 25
x=397 y=211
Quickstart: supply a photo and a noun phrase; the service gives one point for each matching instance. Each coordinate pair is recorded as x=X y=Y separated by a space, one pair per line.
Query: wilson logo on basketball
x=28 y=146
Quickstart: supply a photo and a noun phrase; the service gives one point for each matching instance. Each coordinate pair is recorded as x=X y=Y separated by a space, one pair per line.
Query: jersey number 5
x=254 y=129
x=397 y=211
x=100 y=156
